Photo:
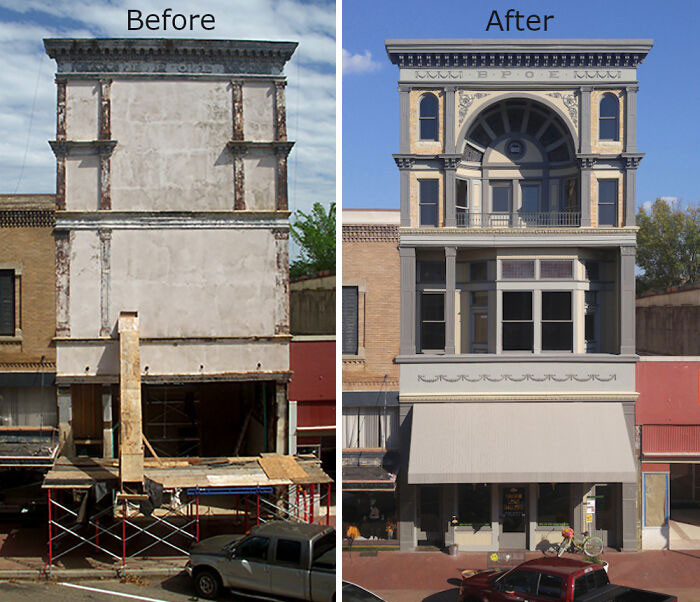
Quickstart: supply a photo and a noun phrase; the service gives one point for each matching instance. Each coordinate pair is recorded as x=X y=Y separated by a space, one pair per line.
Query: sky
x=667 y=115
x=28 y=91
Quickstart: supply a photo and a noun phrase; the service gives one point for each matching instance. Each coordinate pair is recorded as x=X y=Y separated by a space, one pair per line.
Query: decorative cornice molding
x=587 y=161
x=27 y=219
x=64 y=148
x=632 y=160
x=451 y=161
x=502 y=397
x=516 y=379
x=371 y=233
x=242 y=147
x=404 y=161
x=131 y=56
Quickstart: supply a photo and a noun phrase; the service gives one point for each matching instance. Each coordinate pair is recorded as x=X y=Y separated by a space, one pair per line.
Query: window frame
x=605 y=119
x=13 y=273
x=347 y=351
x=531 y=321
x=422 y=203
x=606 y=203
x=428 y=119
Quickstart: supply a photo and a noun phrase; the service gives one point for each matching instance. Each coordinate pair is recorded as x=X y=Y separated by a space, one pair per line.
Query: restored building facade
x=517 y=165
x=171 y=201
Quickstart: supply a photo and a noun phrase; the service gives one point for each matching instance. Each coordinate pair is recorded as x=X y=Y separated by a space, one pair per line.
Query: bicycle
x=590 y=546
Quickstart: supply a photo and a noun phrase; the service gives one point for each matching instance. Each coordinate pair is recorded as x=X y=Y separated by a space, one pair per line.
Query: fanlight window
x=428 y=117
x=608 y=128
x=530 y=120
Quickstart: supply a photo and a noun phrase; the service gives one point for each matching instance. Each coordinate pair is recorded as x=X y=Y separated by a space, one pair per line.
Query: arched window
x=609 y=114
x=428 y=117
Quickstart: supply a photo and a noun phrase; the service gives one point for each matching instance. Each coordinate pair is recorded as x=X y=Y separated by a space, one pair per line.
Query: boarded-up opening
x=87 y=419
x=210 y=419
x=655 y=500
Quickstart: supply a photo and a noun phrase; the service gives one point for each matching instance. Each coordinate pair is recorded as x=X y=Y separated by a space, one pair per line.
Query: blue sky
x=28 y=93
x=668 y=130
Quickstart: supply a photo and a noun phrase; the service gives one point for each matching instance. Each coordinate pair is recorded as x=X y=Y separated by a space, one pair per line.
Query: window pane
x=431 y=272
x=433 y=306
x=591 y=297
x=556 y=306
x=461 y=195
x=550 y=135
x=608 y=129
x=495 y=122
x=480 y=136
x=609 y=106
x=550 y=586
x=428 y=196
x=550 y=268
x=607 y=214
x=569 y=199
x=428 y=128
x=534 y=123
x=478 y=271
x=501 y=198
x=523 y=582
x=428 y=215
x=428 y=117
x=517 y=305
x=607 y=191
x=557 y=336
x=288 y=551
x=474 y=504
x=517 y=336
x=433 y=335
x=518 y=269
x=254 y=548
x=350 y=307
x=515 y=117
x=429 y=106
x=531 y=198
x=7 y=302
x=553 y=504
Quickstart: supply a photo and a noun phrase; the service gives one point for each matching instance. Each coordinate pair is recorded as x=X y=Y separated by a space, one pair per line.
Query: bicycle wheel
x=593 y=547
x=563 y=546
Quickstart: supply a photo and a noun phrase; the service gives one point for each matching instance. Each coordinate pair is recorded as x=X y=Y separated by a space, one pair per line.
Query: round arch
x=566 y=120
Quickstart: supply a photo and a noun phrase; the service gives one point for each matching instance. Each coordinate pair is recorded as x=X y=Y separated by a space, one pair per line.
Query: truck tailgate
x=620 y=593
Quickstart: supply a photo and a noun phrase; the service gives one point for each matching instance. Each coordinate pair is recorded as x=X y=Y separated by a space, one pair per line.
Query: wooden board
x=281 y=467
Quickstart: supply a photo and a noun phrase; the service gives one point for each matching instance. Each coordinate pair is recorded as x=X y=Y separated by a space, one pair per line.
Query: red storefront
x=312 y=390
x=668 y=414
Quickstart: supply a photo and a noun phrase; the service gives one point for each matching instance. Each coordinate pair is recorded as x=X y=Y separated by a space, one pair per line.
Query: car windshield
x=324 y=544
x=354 y=593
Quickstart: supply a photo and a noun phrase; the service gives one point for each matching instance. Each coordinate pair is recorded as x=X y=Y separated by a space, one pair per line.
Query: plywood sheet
x=281 y=467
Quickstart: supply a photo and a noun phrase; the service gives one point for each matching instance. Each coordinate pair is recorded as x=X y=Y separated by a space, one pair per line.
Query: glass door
x=430 y=515
x=514 y=521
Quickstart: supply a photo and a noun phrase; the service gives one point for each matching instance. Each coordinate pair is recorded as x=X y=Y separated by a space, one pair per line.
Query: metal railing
x=548 y=219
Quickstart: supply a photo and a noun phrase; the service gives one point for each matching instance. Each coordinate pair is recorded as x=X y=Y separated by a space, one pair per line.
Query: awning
x=671 y=440
x=533 y=442
x=28 y=447
x=368 y=478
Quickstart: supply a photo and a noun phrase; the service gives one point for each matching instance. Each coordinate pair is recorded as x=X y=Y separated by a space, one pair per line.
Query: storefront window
x=474 y=505
x=372 y=513
x=553 y=504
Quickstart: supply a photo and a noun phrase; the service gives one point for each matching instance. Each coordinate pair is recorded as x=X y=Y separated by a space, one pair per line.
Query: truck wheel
x=207 y=584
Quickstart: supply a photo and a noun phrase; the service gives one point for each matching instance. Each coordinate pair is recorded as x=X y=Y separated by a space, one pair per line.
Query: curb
x=88 y=573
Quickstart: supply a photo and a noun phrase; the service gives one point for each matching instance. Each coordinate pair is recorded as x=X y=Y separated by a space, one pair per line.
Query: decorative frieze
x=570 y=103
x=516 y=379
x=466 y=99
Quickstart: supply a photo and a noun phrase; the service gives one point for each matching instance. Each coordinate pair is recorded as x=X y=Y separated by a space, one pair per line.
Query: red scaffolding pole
x=197 y=521
x=123 y=535
x=245 y=509
x=328 y=505
x=50 y=533
x=312 y=497
x=257 y=508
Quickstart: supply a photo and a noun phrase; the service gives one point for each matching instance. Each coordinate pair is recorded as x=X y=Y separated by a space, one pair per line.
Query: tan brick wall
x=374 y=265
x=33 y=248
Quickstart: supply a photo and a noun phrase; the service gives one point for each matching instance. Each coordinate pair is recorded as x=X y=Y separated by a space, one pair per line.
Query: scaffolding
x=121 y=531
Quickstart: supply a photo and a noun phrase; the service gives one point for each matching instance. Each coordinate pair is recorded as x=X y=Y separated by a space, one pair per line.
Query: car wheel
x=207 y=584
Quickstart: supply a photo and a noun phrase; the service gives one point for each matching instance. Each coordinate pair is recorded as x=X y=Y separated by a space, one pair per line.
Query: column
x=65 y=421
x=107 y=438
x=292 y=417
x=515 y=202
x=407 y=257
x=282 y=432
x=450 y=119
x=450 y=276
x=406 y=493
x=450 y=192
x=280 y=112
x=238 y=153
x=484 y=202
x=586 y=193
x=630 y=190
x=585 y=131
x=532 y=516
x=631 y=119
x=627 y=302
x=405 y=119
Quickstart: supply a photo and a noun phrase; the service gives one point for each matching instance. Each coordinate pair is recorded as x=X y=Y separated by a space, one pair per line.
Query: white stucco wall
x=82 y=109
x=85 y=284
x=258 y=111
x=82 y=182
x=260 y=173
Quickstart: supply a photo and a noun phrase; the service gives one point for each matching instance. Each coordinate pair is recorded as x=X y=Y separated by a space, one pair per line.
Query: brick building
x=371 y=312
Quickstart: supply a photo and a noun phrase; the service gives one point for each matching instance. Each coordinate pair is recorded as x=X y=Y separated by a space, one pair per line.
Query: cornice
x=242 y=147
x=496 y=397
x=40 y=218
x=371 y=233
x=168 y=55
x=545 y=54
x=64 y=148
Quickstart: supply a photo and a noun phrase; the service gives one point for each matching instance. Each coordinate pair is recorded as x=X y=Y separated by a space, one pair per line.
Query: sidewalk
x=435 y=576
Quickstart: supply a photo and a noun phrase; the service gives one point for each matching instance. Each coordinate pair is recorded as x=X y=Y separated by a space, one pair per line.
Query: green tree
x=315 y=234
x=667 y=245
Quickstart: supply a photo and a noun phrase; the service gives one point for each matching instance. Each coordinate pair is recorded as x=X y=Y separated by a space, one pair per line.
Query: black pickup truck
x=551 y=579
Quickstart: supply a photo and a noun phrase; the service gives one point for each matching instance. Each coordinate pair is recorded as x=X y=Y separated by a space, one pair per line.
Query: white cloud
x=359 y=63
x=27 y=78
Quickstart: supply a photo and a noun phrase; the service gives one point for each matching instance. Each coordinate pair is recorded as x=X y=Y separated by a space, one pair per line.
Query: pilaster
x=450 y=276
x=63 y=245
x=585 y=129
x=404 y=119
x=586 y=164
x=407 y=257
x=282 y=432
x=631 y=119
x=280 y=112
x=107 y=438
x=450 y=119
x=405 y=164
x=65 y=421
x=627 y=299
x=105 y=280
x=450 y=168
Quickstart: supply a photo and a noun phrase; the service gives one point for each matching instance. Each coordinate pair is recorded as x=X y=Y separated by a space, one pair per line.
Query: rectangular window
x=370 y=428
x=517 y=269
x=569 y=195
x=531 y=197
x=557 y=321
x=553 y=504
x=431 y=272
x=517 y=321
x=288 y=551
x=501 y=195
x=550 y=586
x=474 y=504
x=478 y=271
x=7 y=303
x=432 y=321
x=428 y=201
x=556 y=268
x=461 y=203
x=350 y=321
x=607 y=202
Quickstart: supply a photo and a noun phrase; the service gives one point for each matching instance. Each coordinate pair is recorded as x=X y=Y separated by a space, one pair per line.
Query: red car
x=550 y=579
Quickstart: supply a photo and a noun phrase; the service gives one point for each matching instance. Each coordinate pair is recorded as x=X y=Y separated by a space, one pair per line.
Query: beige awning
x=531 y=442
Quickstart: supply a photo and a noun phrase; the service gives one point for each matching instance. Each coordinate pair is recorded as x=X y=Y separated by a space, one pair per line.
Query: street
x=156 y=589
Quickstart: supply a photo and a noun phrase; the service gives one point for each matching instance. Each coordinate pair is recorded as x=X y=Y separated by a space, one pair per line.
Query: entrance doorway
x=430 y=515
x=607 y=511
x=513 y=535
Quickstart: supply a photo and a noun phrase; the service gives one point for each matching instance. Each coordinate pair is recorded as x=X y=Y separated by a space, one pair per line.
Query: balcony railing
x=549 y=219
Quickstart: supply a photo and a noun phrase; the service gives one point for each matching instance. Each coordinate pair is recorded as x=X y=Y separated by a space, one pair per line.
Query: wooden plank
x=281 y=467
x=131 y=427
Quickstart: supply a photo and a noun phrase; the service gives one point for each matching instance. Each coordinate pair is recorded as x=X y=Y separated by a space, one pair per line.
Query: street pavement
x=435 y=577
x=169 y=589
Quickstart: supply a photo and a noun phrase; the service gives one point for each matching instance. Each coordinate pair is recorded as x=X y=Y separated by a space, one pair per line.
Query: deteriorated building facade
x=171 y=201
